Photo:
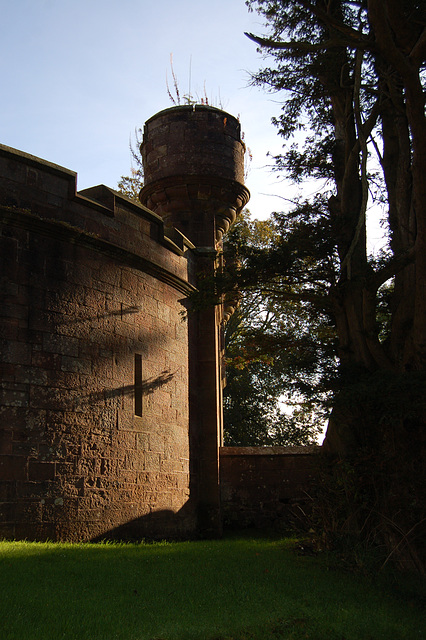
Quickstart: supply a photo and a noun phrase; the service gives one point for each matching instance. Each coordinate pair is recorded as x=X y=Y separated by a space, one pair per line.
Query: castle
x=111 y=392
x=110 y=421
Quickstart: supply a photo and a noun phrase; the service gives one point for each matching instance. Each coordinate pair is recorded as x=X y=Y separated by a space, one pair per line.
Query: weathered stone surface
x=85 y=288
x=266 y=486
x=194 y=170
x=110 y=402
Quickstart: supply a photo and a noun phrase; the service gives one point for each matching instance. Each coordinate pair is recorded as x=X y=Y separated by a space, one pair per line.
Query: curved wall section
x=193 y=140
x=193 y=159
x=94 y=425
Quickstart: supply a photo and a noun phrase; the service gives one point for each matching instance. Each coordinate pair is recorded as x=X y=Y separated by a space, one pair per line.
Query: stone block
x=75 y=365
x=12 y=417
x=26 y=449
x=35 y=490
x=14 y=394
x=15 y=352
x=39 y=531
x=8 y=531
x=156 y=442
x=46 y=360
x=13 y=468
x=151 y=462
x=10 y=329
x=142 y=441
x=5 y=441
x=7 y=372
x=41 y=471
x=15 y=311
x=62 y=345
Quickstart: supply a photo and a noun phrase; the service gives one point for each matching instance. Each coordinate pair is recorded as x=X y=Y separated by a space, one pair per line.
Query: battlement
x=48 y=190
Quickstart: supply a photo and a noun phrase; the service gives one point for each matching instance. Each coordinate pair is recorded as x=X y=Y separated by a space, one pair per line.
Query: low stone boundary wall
x=266 y=486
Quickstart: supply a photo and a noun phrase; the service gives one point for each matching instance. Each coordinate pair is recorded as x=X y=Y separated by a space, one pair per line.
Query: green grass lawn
x=231 y=589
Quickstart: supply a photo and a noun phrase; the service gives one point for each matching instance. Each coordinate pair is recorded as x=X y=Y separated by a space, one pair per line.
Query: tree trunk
x=380 y=407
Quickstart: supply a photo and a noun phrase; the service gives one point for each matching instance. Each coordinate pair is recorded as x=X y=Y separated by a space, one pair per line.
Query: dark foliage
x=351 y=78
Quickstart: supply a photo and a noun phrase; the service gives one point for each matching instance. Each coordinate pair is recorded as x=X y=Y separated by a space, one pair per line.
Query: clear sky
x=77 y=77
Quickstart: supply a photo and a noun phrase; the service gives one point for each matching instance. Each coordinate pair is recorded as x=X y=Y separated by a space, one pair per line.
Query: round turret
x=193 y=159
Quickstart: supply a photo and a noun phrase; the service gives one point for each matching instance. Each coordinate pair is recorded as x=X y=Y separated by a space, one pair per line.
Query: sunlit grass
x=234 y=589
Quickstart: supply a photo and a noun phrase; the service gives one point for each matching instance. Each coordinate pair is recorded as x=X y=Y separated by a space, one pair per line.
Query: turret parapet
x=193 y=159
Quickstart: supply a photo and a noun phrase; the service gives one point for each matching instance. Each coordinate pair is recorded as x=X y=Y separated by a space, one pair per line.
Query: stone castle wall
x=266 y=487
x=110 y=402
x=94 y=357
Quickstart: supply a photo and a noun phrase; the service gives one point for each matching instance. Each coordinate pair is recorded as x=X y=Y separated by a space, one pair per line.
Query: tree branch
x=304 y=296
x=418 y=52
x=364 y=181
x=304 y=47
x=355 y=36
x=391 y=268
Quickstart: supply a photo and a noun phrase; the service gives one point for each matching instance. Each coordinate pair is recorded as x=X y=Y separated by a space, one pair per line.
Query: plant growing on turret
x=132 y=184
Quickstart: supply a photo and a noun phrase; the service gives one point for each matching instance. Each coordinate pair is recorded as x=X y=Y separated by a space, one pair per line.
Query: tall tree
x=275 y=392
x=131 y=185
x=350 y=73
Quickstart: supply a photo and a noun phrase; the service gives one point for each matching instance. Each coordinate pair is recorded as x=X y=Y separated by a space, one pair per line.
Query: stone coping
x=31 y=160
x=269 y=451
x=190 y=107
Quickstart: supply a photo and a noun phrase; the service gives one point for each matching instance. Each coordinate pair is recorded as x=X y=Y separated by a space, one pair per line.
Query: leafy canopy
x=279 y=353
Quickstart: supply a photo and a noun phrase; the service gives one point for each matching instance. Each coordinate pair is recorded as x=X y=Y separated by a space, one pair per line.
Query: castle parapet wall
x=94 y=419
x=267 y=487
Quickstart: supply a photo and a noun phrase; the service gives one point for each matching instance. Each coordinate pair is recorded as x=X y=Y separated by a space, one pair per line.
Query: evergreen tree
x=351 y=77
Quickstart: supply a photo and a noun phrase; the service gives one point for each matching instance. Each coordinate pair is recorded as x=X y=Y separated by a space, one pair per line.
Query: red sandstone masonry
x=193 y=167
x=266 y=486
x=75 y=315
x=92 y=286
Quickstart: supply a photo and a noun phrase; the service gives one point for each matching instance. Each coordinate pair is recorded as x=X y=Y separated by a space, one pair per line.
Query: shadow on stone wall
x=267 y=487
x=124 y=311
x=164 y=524
x=148 y=386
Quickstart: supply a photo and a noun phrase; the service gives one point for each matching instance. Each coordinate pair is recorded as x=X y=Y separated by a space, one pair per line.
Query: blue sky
x=77 y=77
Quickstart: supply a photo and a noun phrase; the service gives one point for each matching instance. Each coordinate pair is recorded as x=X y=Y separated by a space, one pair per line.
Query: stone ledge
x=66 y=232
x=44 y=165
x=269 y=451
